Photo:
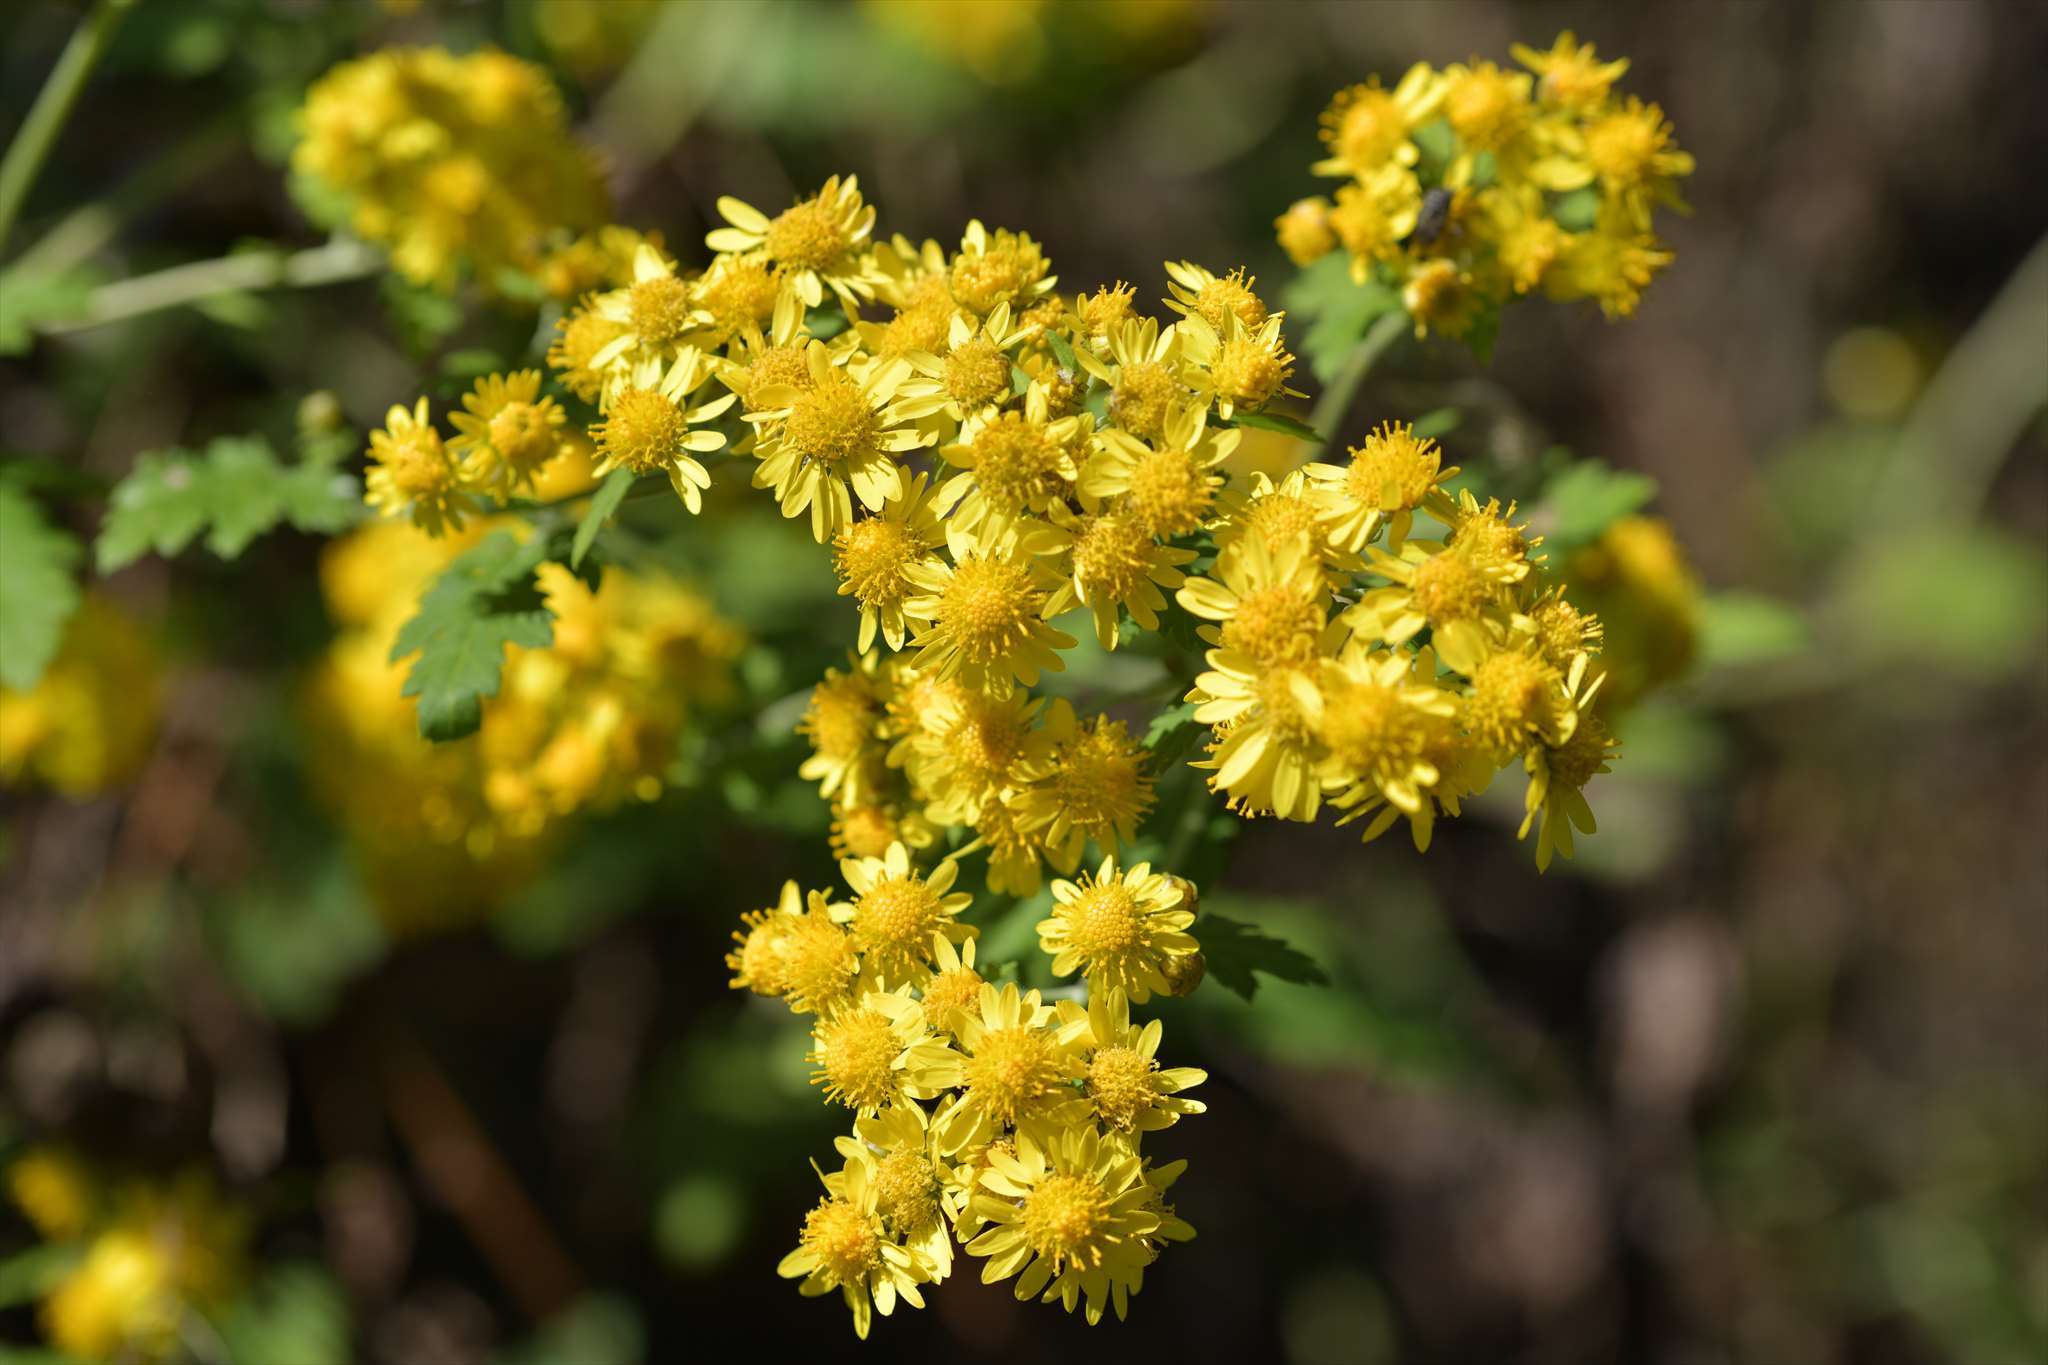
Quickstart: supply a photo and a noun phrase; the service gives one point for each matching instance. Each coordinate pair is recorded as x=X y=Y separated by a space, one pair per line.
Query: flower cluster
x=585 y=724
x=1473 y=185
x=90 y=720
x=148 y=1256
x=446 y=160
x=507 y=435
x=983 y=1116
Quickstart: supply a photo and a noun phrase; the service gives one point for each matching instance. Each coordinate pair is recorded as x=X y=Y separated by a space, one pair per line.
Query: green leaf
x=29 y=1275
x=235 y=492
x=1971 y=601
x=606 y=501
x=1439 y=146
x=1234 y=951
x=37 y=590
x=1577 y=210
x=28 y=301
x=292 y=950
x=1742 y=628
x=486 y=599
x=1586 y=499
x=1277 y=421
x=295 y=1313
x=1063 y=352
x=1337 y=309
x=1173 y=733
x=1437 y=422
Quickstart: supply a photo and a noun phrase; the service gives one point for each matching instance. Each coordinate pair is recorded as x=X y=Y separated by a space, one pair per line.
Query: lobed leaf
x=38 y=593
x=234 y=492
x=486 y=599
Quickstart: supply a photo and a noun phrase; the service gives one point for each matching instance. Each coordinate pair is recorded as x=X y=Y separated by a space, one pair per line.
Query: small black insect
x=1436 y=211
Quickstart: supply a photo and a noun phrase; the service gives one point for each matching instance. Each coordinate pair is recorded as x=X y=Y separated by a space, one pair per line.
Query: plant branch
x=338 y=260
x=1335 y=402
x=54 y=102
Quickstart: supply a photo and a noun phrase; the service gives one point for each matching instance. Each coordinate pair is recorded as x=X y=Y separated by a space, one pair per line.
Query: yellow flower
x=1610 y=265
x=1374 y=215
x=1304 y=231
x=657 y=318
x=986 y=613
x=507 y=430
x=1070 y=1216
x=1117 y=567
x=1268 y=744
x=1488 y=108
x=762 y=940
x=872 y=554
x=1142 y=370
x=874 y=1053
x=1557 y=779
x=1389 y=478
x=1235 y=366
x=1269 y=603
x=1197 y=289
x=1379 y=725
x=1630 y=148
x=1013 y=463
x=1118 y=1067
x=824 y=444
x=999 y=267
x=739 y=296
x=413 y=474
x=845 y=1245
x=909 y=1181
x=647 y=428
x=1118 y=930
x=581 y=336
x=1279 y=514
x=819 y=242
x=1648 y=600
x=90 y=722
x=1091 y=783
x=1166 y=487
x=1442 y=297
x=54 y=1189
x=1009 y=1063
x=896 y=913
x=1367 y=127
x=844 y=725
x=971 y=748
x=953 y=985
x=971 y=374
x=1569 y=75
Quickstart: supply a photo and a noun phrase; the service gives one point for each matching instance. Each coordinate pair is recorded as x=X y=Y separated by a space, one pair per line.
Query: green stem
x=54 y=102
x=1335 y=402
x=339 y=260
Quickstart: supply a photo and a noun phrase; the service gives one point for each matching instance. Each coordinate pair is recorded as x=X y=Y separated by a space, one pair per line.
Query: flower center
x=1098 y=777
x=522 y=435
x=844 y=1241
x=1120 y=1084
x=1392 y=469
x=1142 y=395
x=660 y=309
x=740 y=295
x=897 y=917
x=957 y=989
x=1281 y=708
x=1247 y=372
x=833 y=423
x=1369 y=728
x=1513 y=692
x=857 y=1052
x=871 y=555
x=1279 y=517
x=1272 y=624
x=808 y=236
x=1447 y=588
x=840 y=719
x=906 y=1191
x=1229 y=294
x=1372 y=128
x=418 y=464
x=780 y=365
x=1104 y=920
x=867 y=831
x=1111 y=557
x=987 y=606
x=1067 y=1219
x=818 y=963
x=977 y=374
x=1010 y=265
x=643 y=431
x=1168 y=494
x=1012 y=1072
x=1016 y=463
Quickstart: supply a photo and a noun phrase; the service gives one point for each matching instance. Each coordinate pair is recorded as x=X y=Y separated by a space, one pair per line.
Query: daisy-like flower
x=1169 y=486
x=999 y=267
x=971 y=747
x=953 y=985
x=656 y=315
x=867 y=829
x=1569 y=75
x=1014 y=464
x=506 y=431
x=761 y=941
x=1518 y=699
x=1116 y=567
x=1142 y=371
x=847 y=1246
x=843 y=722
x=1611 y=265
x=1268 y=727
x=1561 y=631
x=1069 y=1217
x=413 y=474
x=1454 y=590
x=1366 y=127
x=1016 y=850
x=871 y=1054
x=1374 y=215
x=1304 y=231
x=1009 y=1064
x=896 y=913
x=738 y=295
x=1235 y=366
x=1091 y=784
x=823 y=445
x=819 y=243
x=1631 y=150
x=1378 y=725
x=1097 y=317
x=1118 y=930
x=908 y=1178
x=1197 y=289
x=820 y=965
x=1557 y=781
x=987 y=619
x=581 y=336
x=1118 y=1068
x=1442 y=297
x=647 y=428
x=1392 y=475
x=972 y=374
x=1280 y=513
x=1488 y=108
x=1267 y=603
x=871 y=555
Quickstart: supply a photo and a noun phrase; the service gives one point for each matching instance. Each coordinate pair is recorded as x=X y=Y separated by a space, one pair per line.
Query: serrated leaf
x=484 y=600
x=37 y=590
x=1277 y=421
x=602 y=504
x=1337 y=308
x=1173 y=733
x=235 y=492
x=1587 y=498
x=1235 y=952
